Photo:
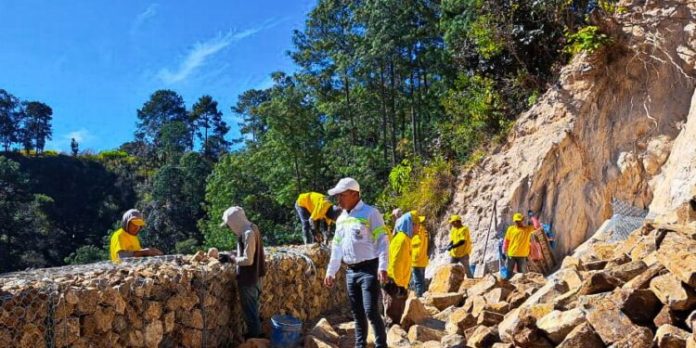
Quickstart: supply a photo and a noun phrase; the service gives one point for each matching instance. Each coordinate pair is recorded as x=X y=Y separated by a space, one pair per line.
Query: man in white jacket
x=361 y=243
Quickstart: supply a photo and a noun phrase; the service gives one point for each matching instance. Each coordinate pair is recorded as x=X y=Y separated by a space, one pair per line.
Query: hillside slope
x=604 y=132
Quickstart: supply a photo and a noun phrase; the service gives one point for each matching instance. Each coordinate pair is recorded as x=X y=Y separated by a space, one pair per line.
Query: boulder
x=557 y=325
x=447 y=279
x=582 y=336
x=668 y=316
x=460 y=321
x=324 y=331
x=677 y=253
x=474 y=305
x=628 y=271
x=670 y=290
x=466 y=284
x=497 y=295
x=642 y=281
x=397 y=337
x=669 y=336
x=598 y=282
x=611 y=325
x=423 y=333
x=484 y=284
x=641 y=305
x=481 y=337
x=519 y=318
x=487 y=318
x=641 y=337
x=442 y=301
x=414 y=313
x=571 y=277
x=453 y=341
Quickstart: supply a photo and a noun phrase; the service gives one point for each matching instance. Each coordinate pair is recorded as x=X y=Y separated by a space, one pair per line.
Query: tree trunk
x=384 y=112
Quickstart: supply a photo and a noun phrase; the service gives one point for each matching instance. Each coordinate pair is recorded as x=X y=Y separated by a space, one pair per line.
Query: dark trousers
x=307 y=225
x=394 y=299
x=521 y=263
x=363 y=291
x=464 y=260
x=418 y=280
x=249 y=298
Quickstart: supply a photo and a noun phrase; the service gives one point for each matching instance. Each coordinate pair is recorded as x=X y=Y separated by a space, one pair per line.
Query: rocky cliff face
x=618 y=125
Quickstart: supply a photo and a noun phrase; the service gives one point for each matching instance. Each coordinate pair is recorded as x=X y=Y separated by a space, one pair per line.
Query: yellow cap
x=518 y=217
x=454 y=218
x=138 y=222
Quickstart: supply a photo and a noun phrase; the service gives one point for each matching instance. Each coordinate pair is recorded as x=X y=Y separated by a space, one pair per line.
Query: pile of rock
x=635 y=293
x=294 y=283
x=139 y=304
x=187 y=301
x=640 y=292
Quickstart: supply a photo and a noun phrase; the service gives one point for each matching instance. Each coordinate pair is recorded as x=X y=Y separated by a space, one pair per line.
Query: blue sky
x=96 y=62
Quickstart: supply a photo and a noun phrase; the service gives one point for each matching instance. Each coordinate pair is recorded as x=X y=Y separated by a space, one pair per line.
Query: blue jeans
x=249 y=297
x=418 y=280
x=363 y=291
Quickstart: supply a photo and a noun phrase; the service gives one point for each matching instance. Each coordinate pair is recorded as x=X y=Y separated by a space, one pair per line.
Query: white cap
x=344 y=185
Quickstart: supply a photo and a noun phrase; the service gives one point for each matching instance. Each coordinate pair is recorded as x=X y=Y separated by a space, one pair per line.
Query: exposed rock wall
x=170 y=301
x=603 y=132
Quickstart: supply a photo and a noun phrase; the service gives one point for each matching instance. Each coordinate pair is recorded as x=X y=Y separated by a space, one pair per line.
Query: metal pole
x=485 y=248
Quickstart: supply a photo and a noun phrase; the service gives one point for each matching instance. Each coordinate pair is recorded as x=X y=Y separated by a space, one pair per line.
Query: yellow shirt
x=519 y=240
x=457 y=235
x=399 y=267
x=315 y=203
x=123 y=241
x=419 y=248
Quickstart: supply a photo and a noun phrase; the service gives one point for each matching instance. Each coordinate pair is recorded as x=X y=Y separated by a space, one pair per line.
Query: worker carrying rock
x=316 y=214
x=517 y=244
x=459 y=246
x=361 y=243
x=125 y=241
x=419 y=256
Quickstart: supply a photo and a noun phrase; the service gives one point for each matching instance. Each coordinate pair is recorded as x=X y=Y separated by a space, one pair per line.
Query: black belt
x=364 y=264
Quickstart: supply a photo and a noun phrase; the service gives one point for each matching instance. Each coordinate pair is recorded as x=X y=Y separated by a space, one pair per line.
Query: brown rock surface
x=673 y=293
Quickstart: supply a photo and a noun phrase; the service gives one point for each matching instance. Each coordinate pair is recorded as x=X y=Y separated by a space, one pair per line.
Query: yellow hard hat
x=454 y=218
x=518 y=217
x=415 y=215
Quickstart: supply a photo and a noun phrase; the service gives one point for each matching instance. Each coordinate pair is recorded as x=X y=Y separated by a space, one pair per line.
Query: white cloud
x=202 y=51
x=80 y=136
x=62 y=143
x=142 y=17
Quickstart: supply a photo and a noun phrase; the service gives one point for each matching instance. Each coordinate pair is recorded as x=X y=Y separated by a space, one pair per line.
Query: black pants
x=363 y=291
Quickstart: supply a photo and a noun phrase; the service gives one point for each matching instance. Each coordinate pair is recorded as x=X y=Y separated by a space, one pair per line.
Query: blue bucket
x=286 y=332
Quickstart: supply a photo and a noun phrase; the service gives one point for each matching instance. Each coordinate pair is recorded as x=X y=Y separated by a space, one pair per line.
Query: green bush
x=87 y=254
x=425 y=187
x=587 y=39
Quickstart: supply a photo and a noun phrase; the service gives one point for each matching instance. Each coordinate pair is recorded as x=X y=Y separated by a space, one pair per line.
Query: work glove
x=226 y=258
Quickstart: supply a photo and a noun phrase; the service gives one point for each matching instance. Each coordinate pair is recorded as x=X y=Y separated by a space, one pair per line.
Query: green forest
x=397 y=94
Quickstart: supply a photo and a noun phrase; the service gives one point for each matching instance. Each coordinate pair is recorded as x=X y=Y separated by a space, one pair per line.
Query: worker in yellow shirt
x=419 y=256
x=313 y=209
x=517 y=244
x=395 y=291
x=125 y=242
x=459 y=246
